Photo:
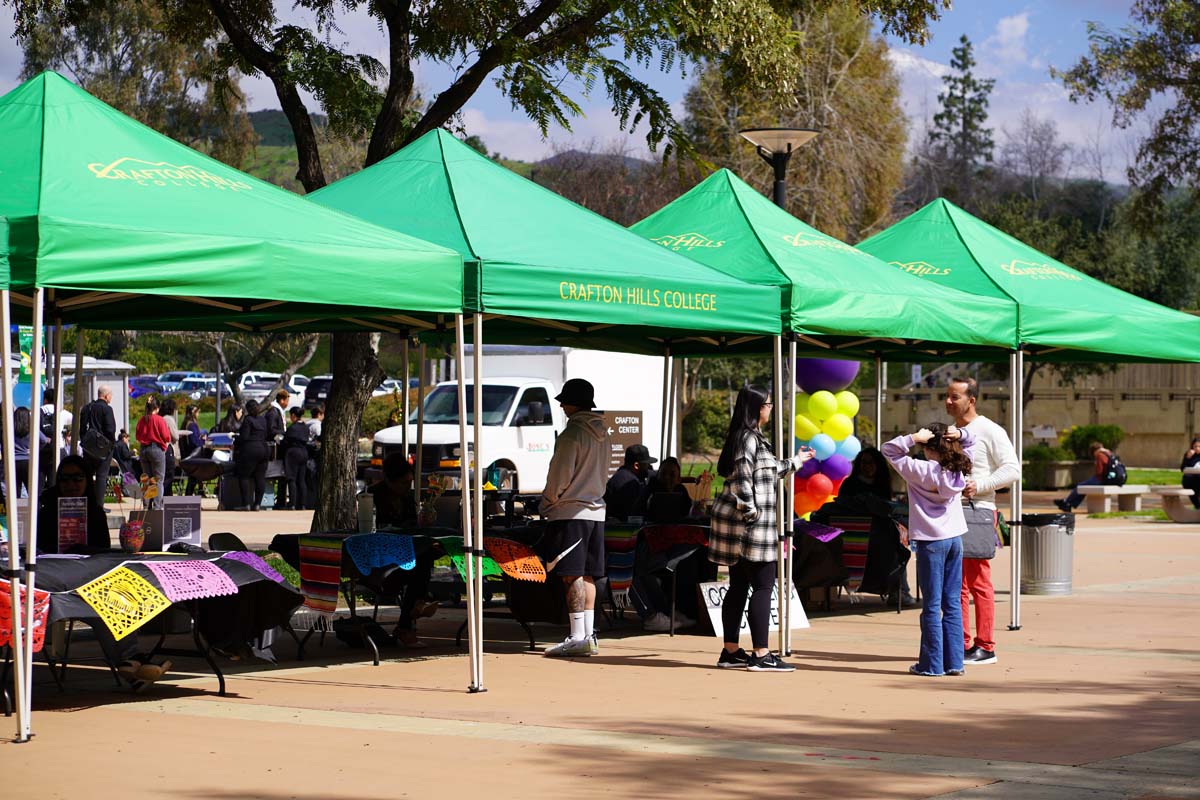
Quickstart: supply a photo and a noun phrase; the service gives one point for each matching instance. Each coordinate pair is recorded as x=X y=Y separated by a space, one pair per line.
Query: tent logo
x=687 y=241
x=806 y=239
x=163 y=173
x=1040 y=272
x=922 y=268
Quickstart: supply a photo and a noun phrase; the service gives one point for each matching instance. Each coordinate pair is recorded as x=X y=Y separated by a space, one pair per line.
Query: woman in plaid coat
x=744 y=536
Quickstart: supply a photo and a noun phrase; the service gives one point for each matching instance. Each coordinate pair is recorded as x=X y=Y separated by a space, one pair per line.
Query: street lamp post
x=775 y=146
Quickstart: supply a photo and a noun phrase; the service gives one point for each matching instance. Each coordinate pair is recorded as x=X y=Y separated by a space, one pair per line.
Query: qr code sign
x=181 y=528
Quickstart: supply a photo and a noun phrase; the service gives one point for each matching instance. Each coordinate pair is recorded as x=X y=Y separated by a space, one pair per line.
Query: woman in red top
x=154 y=437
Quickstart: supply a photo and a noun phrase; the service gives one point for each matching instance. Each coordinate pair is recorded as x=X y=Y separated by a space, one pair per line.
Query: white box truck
x=521 y=418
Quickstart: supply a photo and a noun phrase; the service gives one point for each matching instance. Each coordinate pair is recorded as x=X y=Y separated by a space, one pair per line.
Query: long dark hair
x=79 y=463
x=746 y=412
x=950 y=454
x=21 y=421
x=881 y=483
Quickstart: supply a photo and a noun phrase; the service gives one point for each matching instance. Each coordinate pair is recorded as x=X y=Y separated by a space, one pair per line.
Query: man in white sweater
x=573 y=503
x=995 y=466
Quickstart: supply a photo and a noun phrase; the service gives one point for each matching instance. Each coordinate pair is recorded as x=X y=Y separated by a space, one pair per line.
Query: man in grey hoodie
x=573 y=503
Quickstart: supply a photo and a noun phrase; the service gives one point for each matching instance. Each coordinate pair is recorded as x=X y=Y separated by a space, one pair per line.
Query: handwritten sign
x=714 y=593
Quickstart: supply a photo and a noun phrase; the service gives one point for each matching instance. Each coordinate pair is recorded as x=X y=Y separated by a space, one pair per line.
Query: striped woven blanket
x=320 y=579
x=620 y=551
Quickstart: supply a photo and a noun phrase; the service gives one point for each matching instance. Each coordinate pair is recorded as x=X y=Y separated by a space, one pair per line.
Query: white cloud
x=1008 y=46
x=920 y=81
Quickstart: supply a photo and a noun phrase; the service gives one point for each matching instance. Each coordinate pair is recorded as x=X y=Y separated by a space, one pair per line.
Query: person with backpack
x=1110 y=471
x=97 y=438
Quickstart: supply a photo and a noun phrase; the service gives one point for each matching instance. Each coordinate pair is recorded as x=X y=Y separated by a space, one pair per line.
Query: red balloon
x=800 y=484
x=819 y=486
x=837 y=486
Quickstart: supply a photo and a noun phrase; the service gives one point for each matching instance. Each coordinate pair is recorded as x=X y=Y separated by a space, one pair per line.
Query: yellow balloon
x=847 y=403
x=837 y=427
x=806 y=428
x=821 y=405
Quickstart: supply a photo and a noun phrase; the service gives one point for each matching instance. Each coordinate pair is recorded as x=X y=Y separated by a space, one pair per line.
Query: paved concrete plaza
x=1095 y=697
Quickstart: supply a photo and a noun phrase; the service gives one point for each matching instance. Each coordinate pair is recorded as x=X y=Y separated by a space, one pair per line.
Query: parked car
x=296 y=386
x=169 y=381
x=195 y=388
x=140 y=385
x=317 y=391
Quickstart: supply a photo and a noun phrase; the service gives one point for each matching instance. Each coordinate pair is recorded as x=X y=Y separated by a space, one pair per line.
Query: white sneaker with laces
x=569 y=648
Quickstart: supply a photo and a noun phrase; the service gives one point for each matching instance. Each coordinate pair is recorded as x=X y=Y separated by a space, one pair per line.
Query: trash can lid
x=1039 y=520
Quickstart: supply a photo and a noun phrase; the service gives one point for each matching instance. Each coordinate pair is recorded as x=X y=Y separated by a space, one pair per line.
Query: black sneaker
x=735 y=660
x=768 y=663
x=1064 y=506
x=977 y=655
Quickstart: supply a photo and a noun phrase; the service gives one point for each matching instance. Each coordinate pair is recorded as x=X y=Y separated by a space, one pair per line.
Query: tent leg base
x=1014 y=627
x=476 y=689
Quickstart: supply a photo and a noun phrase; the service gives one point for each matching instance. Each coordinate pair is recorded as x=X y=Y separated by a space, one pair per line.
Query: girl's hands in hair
x=922 y=436
x=952 y=434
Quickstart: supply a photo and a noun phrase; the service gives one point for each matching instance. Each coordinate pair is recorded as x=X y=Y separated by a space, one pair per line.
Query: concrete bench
x=1099 y=498
x=1174 y=505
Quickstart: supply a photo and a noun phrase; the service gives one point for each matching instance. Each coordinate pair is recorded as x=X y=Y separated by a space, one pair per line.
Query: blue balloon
x=823 y=446
x=849 y=447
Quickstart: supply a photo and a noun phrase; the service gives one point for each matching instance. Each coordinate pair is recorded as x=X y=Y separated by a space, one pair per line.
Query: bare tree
x=1032 y=150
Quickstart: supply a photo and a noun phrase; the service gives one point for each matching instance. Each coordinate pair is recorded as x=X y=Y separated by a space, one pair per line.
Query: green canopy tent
x=106 y=223
x=837 y=301
x=1062 y=314
x=543 y=270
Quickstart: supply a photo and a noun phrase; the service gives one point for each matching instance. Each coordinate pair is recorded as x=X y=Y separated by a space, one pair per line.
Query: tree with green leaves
x=535 y=51
x=959 y=135
x=182 y=90
x=844 y=181
x=1149 y=68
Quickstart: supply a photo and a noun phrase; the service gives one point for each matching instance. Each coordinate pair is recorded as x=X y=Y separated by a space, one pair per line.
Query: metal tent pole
x=404 y=405
x=779 y=484
x=666 y=399
x=790 y=499
x=77 y=403
x=59 y=394
x=880 y=387
x=419 y=483
x=35 y=382
x=17 y=641
x=1017 y=365
x=464 y=479
x=476 y=593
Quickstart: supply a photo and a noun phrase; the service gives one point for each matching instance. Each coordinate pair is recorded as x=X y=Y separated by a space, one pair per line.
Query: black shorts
x=574 y=548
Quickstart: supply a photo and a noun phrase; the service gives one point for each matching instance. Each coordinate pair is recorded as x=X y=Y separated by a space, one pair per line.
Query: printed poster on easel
x=72 y=523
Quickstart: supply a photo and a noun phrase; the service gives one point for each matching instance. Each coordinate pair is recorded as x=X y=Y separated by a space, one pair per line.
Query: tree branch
x=396 y=15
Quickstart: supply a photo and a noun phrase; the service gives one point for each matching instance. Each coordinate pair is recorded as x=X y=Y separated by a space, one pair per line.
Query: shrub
x=1042 y=452
x=379 y=414
x=705 y=426
x=1079 y=438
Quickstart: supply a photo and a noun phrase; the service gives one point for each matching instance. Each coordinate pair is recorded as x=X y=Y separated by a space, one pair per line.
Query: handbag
x=96 y=446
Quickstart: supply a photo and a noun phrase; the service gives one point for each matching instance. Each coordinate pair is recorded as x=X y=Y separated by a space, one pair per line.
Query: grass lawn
x=1167 y=477
x=1148 y=513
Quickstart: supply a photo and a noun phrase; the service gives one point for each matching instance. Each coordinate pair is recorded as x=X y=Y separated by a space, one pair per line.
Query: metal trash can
x=1047 y=553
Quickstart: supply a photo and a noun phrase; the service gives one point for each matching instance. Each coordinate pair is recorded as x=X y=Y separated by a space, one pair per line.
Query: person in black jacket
x=1191 y=459
x=295 y=459
x=625 y=493
x=72 y=480
x=250 y=458
x=123 y=454
x=98 y=416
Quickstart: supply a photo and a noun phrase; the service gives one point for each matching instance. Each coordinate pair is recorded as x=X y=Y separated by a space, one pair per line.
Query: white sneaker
x=659 y=623
x=569 y=648
x=683 y=621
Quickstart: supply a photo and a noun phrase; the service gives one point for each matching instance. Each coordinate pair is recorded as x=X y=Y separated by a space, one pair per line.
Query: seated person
x=624 y=496
x=72 y=480
x=868 y=490
x=396 y=507
x=1100 y=455
x=667 y=499
x=1191 y=459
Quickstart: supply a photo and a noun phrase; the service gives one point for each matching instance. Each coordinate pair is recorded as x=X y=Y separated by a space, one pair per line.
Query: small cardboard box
x=177 y=521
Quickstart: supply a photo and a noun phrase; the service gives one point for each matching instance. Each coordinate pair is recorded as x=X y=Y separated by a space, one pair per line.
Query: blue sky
x=1015 y=43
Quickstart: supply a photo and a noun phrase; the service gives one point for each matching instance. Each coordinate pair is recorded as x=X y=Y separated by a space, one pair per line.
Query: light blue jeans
x=939 y=573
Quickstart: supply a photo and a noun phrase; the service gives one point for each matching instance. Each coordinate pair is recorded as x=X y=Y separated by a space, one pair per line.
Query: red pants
x=977 y=584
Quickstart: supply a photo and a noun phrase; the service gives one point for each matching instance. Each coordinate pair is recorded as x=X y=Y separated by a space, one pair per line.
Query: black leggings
x=742 y=576
x=250 y=466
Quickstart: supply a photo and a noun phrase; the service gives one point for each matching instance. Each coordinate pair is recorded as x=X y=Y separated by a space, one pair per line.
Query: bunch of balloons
x=824 y=422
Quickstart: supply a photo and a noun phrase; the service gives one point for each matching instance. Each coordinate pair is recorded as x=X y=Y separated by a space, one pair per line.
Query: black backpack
x=1114 y=472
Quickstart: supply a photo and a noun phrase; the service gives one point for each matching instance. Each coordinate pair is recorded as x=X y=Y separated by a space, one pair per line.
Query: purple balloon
x=836 y=467
x=808 y=468
x=825 y=374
